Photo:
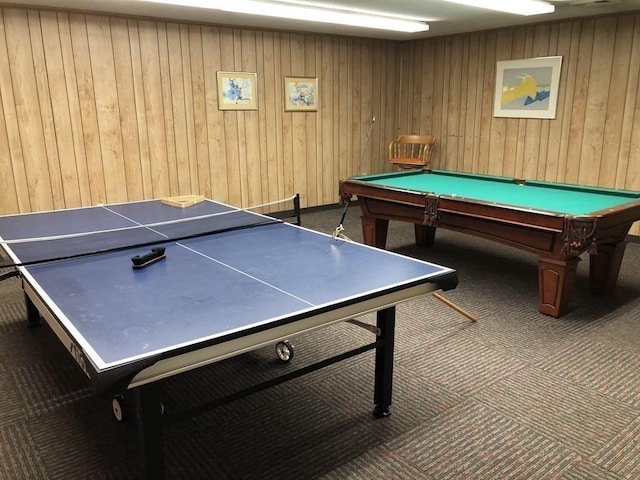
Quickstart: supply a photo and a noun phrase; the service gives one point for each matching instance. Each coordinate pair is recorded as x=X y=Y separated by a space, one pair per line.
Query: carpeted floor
x=516 y=395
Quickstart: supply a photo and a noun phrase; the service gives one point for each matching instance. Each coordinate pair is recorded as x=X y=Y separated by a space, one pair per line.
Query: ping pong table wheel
x=284 y=351
x=119 y=408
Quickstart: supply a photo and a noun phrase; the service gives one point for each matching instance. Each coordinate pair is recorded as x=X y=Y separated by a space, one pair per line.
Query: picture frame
x=527 y=88
x=300 y=94
x=237 y=90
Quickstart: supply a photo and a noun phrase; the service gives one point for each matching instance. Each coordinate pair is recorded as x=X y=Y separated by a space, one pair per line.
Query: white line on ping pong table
x=225 y=264
x=138 y=224
x=246 y=274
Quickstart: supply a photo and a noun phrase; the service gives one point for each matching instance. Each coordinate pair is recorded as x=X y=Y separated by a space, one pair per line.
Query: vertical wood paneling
x=556 y=134
x=172 y=119
x=355 y=108
x=414 y=113
x=52 y=91
x=287 y=119
x=452 y=95
x=88 y=120
x=98 y=109
x=389 y=112
x=379 y=138
x=199 y=171
x=273 y=188
x=125 y=88
x=347 y=164
x=615 y=107
x=499 y=142
x=596 y=101
x=536 y=131
x=580 y=92
x=28 y=128
x=309 y=132
x=44 y=101
x=107 y=109
x=139 y=94
x=155 y=164
x=426 y=95
x=216 y=158
x=297 y=131
x=469 y=99
x=251 y=160
x=628 y=169
x=328 y=159
x=11 y=163
x=229 y=124
x=263 y=90
x=486 y=105
x=178 y=141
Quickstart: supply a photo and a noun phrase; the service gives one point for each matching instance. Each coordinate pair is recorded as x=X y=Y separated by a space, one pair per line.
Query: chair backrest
x=410 y=151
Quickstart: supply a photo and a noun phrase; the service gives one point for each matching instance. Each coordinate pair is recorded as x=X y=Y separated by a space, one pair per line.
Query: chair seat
x=407 y=161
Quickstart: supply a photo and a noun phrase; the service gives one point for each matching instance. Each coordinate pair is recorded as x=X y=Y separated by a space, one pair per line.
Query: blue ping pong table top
x=208 y=287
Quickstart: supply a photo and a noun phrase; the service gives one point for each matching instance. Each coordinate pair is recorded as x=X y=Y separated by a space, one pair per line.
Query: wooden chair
x=411 y=151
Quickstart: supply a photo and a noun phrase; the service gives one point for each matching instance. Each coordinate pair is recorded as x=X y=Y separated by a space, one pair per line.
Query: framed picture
x=527 y=88
x=300 y=94
x=237 y=91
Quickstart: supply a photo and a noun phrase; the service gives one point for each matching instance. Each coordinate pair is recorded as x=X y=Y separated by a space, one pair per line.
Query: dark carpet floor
x=516 y=395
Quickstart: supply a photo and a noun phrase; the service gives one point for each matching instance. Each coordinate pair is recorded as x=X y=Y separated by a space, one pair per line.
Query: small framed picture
x=527 y=88
x=300 y=94
x=237 y=91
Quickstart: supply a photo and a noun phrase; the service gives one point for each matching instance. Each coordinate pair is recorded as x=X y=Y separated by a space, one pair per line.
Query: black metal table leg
x=33 y=314
x=386 y=321
x=149 y=412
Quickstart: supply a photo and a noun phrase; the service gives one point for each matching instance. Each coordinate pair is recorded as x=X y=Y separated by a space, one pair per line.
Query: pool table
x=557 y=222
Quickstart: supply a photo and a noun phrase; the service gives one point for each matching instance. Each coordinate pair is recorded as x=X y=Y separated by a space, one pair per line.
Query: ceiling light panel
x=518 y=7
x=302 y=12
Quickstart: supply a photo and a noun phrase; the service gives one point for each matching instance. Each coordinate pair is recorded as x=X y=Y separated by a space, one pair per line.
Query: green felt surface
x=544 y=196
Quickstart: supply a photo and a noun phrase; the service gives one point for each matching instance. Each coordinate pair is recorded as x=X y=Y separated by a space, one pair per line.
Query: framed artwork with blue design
x=527 y=88
x=237 y=91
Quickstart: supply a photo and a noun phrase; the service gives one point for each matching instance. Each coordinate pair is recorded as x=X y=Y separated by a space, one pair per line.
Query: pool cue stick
x=340 y=228
x=449 y=303
x=364 y=147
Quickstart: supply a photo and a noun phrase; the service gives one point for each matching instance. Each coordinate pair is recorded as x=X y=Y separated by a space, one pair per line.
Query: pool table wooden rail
x=557 y=239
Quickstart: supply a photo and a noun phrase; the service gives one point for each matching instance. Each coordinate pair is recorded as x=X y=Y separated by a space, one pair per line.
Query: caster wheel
x=381 y=412
x=284 y=351
x=119 y=408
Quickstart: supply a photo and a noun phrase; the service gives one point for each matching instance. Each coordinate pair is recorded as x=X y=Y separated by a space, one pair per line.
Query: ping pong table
x=245 y=280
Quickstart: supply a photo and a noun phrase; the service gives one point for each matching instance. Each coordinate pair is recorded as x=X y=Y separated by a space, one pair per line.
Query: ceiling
x=444 y=18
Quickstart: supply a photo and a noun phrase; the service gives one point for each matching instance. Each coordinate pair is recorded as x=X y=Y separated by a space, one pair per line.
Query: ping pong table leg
x=33 y=314
x=149 y=412
x=386 y=321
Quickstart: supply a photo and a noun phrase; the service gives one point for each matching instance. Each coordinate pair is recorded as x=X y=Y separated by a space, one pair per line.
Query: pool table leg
x=374 y=231
x=555 y=281
x=425 y=235
x=604 y=267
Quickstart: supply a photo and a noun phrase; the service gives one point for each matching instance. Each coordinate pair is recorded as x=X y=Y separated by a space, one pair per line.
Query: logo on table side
x=79 y=357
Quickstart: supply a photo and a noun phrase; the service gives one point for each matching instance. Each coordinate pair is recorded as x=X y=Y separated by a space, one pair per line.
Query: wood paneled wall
x=107 y=109
x=98 y=108
x=448 y=88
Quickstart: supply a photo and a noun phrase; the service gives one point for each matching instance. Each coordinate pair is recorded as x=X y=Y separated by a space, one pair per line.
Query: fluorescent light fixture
x=306 y=11
x=519 y=7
